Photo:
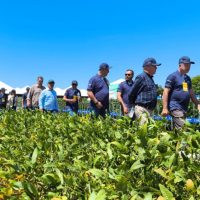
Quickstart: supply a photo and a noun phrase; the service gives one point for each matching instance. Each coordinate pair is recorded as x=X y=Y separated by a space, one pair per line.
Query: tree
x=196 y=84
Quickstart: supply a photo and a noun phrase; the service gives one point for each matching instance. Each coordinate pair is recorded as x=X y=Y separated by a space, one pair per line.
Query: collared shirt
x=70 y=94
x=3 y=99
x=48 y=100
x=24 y=97
x=144 y=91
x=125 y=88
x=100 y=87
x=179 y=96
x=34 y=94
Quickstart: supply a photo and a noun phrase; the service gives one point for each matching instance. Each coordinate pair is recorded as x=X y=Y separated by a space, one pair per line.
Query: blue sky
x=66 y=40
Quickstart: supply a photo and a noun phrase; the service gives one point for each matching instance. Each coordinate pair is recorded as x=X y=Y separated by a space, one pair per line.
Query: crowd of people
x=138 y=98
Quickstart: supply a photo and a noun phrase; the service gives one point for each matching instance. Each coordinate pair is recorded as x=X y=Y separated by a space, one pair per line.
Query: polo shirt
x=179 y=96
x=124 y=88
x=144 y=91
x=69 y=94
x=48 y=100
x=100 y=87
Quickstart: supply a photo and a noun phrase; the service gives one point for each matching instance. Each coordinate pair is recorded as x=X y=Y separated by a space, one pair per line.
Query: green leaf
x=109 y=151
x=97 y=172
x=101 y=195
x=60 y=175
x=165 y=192
x=148 y=196
x=34 y=156
x=136 y=165
x=161 y=172
x=92 y=196
x=30 y=189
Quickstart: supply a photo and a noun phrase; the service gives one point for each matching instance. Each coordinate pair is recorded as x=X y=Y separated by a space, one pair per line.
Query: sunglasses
x=128 y=74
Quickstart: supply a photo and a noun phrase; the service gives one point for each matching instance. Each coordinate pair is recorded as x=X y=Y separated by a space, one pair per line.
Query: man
x=34 y=93
x=98 y=91
x=48 y=98
x=3 y=98
x=24 y=98
x=123 y=91
x=143 y=94
x=177 y=93
x=72 y=96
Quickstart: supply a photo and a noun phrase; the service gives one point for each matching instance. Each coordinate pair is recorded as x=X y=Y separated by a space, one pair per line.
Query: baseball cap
x=150 y=61
x=185 y=60
x=51 y=81
x=74 y=82
x=104 y=66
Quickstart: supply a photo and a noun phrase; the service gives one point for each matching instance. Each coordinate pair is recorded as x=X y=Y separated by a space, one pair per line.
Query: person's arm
x=22 y=100
x=68 y=100
x=137 y=86
x=165 y=99
x=29 y=97
x=194 y=99
x=97 y=103
x=41 y=100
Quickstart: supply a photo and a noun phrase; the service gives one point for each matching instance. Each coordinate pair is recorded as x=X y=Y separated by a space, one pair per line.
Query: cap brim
x=157 y=64
x=191 y=62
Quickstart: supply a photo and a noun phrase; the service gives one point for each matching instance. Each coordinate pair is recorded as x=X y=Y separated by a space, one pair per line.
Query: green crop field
x=56 y=156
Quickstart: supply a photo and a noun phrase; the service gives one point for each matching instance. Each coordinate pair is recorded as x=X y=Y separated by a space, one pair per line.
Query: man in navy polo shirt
x=98 y=91
x=72 y=96
x=143 y=94
x=178 y=92
x=123 y=92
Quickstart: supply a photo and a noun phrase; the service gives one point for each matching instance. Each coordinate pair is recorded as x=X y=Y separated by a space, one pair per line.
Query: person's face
x=105 y=72
x=74 y=86
x=51 y=85
x=40 y=81
x=151 y=69
x=128 y=75
x=185 y=67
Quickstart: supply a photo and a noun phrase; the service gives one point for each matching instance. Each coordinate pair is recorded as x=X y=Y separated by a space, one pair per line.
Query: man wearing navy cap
x=143 y=94
x=178 y=92
x=72 y=96
x=98 y=91
x=3 y=98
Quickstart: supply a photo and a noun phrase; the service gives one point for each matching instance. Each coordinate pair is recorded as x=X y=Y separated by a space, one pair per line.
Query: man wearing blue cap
x=143 y=94
x=98 y=91
x=178 y=92
x=72 y=97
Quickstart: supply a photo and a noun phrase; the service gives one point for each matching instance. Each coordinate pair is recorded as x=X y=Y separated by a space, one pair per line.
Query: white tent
x=113 y=88
x=7 y=87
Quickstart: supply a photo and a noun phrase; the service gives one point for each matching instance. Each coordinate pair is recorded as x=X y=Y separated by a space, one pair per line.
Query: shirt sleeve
x=91 y=85
x=120 y=88
x=169 y=82
x=137 y=86
x=29 y=95
x=41 y=100
x=66 y=93
x=56 y=102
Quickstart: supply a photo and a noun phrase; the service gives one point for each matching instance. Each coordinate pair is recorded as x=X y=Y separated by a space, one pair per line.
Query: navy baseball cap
x=51 y=81
x=185 y=60
x=150 y=61
x=74 y=82
x=104 y=66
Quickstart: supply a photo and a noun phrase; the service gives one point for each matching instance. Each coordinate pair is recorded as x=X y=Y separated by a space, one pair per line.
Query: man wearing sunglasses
x=143 y=94
x=72 y=96
x=123 y=91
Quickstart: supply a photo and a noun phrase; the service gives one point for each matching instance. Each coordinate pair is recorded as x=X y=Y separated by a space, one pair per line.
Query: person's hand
x=165 y=112
x=72 y=101
x=125 y=110
x=99 y=105
x=198 y=107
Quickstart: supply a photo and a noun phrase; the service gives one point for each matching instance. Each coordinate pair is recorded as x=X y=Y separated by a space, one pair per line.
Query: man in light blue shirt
x=48 y=98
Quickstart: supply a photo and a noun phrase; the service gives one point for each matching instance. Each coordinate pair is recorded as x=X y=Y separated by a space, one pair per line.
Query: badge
x=185 y=87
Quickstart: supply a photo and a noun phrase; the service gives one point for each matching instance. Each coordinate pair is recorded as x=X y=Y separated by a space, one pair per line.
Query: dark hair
x=130 y=71
x=40 y=77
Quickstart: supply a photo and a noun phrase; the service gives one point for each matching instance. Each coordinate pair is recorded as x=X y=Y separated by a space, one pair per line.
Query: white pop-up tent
x=113 y=88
